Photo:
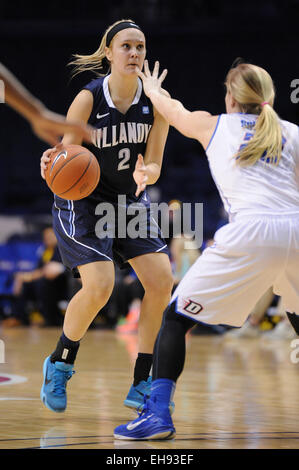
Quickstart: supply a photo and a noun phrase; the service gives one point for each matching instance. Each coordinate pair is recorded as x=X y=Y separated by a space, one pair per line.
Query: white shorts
x=249 y=256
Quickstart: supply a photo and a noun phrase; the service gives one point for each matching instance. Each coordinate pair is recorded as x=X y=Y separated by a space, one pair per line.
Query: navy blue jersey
x=118 y=138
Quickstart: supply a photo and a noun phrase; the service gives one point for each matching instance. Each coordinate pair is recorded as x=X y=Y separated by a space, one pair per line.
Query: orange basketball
x=73 y=172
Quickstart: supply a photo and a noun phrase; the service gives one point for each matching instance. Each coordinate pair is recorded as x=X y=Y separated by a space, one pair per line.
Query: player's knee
x=166 y=284
x=160 y=286
x=98 y=293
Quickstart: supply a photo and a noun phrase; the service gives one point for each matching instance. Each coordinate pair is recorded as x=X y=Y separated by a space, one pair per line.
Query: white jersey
x=262 y=188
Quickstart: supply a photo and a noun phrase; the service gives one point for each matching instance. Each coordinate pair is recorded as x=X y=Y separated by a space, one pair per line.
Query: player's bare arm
x=197 y=124
x=79 y=110
x=47 y=125
x=147 y=170
x=155 y=147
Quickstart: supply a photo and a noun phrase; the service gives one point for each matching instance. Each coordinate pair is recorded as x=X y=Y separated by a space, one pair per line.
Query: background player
x=253 y=157
x=47 y=125
x=127 y=127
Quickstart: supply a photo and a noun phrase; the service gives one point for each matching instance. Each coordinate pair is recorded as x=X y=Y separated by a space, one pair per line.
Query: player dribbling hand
x=45 y=158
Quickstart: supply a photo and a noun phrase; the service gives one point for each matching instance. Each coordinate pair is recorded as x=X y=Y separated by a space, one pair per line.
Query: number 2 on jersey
x=124 y=156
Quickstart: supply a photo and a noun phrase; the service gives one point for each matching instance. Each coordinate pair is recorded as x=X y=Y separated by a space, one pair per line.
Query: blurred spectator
x=283 y=330
x=268 y=306
x=45 y=286
x=127 y=295
x=184 y=252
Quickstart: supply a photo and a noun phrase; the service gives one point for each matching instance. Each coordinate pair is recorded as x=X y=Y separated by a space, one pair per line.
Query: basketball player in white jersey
x=253 y=157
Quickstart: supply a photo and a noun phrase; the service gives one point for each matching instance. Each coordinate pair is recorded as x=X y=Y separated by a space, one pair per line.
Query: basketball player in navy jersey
x=253 y=157
x=47 y=125
x=128 y=128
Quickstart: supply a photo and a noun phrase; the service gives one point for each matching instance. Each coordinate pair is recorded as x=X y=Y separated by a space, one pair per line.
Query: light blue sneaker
x=151 y=424
x=136 y=396
x=53 y=391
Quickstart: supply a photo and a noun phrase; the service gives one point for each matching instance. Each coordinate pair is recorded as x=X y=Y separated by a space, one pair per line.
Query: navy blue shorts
x=92 y=230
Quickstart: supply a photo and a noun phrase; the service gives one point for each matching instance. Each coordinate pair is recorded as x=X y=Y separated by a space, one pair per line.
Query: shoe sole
x=133 y=405
x=162 y=436
x=43 y=396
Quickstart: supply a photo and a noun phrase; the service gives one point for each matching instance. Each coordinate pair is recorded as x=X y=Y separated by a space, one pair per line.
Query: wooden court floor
x=233 y=394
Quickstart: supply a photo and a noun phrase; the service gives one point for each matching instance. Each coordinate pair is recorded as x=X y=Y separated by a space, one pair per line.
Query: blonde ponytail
x=96 y=62
x=253 y=90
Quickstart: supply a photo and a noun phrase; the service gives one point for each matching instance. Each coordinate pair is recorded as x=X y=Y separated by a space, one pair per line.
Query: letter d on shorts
x=2 y=352
x=2 y=92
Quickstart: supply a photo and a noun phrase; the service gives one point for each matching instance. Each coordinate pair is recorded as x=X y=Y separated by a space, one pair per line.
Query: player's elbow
x=184 y=129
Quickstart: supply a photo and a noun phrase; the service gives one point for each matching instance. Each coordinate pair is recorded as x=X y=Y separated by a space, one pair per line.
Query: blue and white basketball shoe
x=136 y=396
x=153 y=423
x=53 y=391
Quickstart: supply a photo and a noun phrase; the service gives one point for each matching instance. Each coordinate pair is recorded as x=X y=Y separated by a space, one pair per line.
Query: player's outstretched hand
x=140 y=175
x=45 y=158
x=151 y=81
x=50 y=126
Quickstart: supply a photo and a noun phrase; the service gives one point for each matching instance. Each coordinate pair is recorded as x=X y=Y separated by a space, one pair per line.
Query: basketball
x=73 y=172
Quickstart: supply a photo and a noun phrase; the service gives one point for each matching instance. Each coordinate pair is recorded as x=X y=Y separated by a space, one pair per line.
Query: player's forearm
x=18 y=96
x=169 y=108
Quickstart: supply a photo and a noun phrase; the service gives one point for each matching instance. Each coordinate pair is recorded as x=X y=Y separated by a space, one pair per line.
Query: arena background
x=233 y=395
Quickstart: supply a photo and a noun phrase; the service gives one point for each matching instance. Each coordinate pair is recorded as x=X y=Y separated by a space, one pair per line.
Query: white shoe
x=246 y=331
x=283 y=330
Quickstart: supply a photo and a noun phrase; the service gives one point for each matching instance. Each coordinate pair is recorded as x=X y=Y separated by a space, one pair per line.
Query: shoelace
x=146 y=409
x=155 y=419
x=145 y=406
x=60 y=378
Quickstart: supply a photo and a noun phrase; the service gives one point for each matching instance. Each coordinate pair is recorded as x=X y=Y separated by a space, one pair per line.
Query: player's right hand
x=45 y=158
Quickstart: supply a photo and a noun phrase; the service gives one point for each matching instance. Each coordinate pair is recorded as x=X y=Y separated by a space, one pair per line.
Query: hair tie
x=264 y=102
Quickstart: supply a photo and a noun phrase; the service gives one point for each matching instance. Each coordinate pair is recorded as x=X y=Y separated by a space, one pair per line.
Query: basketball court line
x=69 y=445
x=230 y=436
x=176 y=440
x=18 y=399
x=51 y=437
x=252 y=435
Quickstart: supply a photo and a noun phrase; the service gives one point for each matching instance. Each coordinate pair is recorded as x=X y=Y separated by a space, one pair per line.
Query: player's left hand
x=151 y=81
x=140 y=175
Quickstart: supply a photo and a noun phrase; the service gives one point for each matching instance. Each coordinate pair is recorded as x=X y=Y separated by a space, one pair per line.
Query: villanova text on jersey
x=118 y=138
x=122 y=133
